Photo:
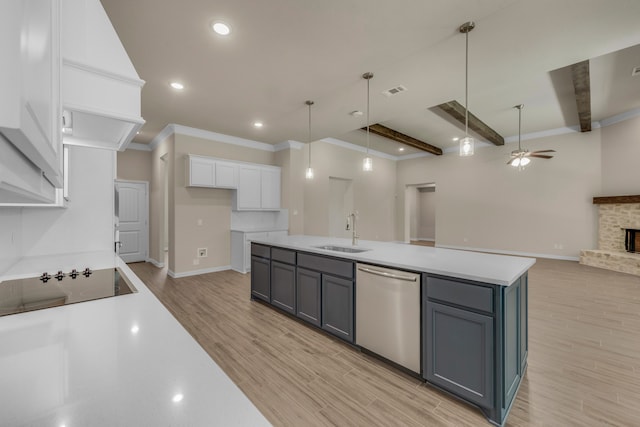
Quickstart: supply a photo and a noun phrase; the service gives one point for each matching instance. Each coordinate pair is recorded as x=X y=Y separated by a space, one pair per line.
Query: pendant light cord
x=368 y=80
x=466 y=85
x=309 y=135
x=309 y=103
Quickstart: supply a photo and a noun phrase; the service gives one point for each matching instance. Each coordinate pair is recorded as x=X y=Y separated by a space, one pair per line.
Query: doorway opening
x=420 y=214
x=340 y=205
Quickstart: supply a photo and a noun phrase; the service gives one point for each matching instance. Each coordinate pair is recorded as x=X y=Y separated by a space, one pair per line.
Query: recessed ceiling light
x=401 y=149
x=178 y=398
x=258 y=124
x=221 y=28
x=455 y=138
x=135 y=329
x=177 y=85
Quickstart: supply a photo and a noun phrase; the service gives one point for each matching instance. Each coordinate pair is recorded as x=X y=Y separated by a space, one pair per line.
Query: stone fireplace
x=618 y=235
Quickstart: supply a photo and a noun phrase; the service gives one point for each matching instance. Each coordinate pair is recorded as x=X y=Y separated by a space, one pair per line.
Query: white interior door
x=133 y=219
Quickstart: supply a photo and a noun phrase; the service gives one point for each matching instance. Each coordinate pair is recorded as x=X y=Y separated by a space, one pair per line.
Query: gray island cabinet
x=473 y=326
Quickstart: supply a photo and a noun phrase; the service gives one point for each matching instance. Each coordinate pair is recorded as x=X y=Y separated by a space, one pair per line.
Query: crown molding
x=139 y=147
x=164 y=134
x=220 y=137
x=288 y=145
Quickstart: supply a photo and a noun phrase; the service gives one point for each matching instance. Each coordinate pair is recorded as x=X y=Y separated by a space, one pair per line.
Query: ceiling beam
x=582 y=89
x=400 y=137
x=457 y=111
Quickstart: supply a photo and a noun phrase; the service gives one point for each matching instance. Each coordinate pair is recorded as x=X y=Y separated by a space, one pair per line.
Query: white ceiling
x=282 y=52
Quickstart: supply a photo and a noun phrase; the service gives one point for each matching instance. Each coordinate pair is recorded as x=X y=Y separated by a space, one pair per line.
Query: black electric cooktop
x=62 y=288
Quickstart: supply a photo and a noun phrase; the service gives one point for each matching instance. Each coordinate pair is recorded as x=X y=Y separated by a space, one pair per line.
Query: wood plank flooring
x=584 y=355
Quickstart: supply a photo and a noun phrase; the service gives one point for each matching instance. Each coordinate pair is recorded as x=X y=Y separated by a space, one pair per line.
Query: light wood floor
x=422 y=243
x=584 y=355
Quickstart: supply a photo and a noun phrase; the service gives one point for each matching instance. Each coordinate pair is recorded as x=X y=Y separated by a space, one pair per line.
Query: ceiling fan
x=520 y=158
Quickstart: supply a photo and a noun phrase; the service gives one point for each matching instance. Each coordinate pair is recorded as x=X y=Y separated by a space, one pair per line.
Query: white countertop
x=482 y=267
x=118 y=361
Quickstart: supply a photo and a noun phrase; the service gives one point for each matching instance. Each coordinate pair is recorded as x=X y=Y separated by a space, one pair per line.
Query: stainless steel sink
x=347 y=249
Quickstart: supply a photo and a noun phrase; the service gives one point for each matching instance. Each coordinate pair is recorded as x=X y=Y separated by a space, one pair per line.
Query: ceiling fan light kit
x=521 y=158
x=467 y=143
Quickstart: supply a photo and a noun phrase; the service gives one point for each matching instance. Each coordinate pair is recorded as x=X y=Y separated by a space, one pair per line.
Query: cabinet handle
x=388 y=275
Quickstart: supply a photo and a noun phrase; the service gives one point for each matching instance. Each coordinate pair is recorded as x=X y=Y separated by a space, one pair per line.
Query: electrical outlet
x=202 y=252
x=196 y=261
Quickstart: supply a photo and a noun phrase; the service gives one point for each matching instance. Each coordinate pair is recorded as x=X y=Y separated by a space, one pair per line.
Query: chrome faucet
x=351 y=225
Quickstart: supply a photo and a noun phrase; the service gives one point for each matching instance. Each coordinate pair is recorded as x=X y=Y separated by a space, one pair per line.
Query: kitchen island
x=120 y=361
x=471 y=308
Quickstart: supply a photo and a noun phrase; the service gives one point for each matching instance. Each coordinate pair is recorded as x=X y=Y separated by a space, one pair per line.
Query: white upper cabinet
x=270 y=188
x=100 y=87
x=226 y=175
x=249 y=195
x=258 y=186
x=211 y=172
x=30 y=88
x=202 y=171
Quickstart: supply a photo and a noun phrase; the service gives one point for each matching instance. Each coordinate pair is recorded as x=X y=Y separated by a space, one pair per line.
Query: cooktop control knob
x=87 y=272
x=74 y=273
x=60 y=275
x=45 y=277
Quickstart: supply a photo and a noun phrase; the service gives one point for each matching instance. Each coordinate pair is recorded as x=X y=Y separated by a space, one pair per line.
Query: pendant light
x=367 y=163
x=466 y=143
x=309 y=174
x=520 y=161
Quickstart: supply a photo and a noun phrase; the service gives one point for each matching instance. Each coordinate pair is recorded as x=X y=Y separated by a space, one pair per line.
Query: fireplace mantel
x=615 y=199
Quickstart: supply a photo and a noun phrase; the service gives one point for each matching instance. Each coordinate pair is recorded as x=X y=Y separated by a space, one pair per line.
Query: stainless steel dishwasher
x=388 y=314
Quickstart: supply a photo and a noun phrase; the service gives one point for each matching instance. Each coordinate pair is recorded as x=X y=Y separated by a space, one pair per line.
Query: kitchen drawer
x=476 y=297
x=332 y=266
x=283 y=255
x=260 y=250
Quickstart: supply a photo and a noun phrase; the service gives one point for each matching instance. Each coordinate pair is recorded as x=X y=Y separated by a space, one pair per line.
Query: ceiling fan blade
x=544 y=151
x=541 y=156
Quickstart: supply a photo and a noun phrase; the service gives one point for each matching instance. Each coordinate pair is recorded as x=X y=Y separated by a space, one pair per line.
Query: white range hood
x=100 y=88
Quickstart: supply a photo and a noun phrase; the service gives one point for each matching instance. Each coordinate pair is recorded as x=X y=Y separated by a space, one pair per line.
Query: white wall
x=373 y=192
x=621 y=158
x=10 y=237
x=483 y=203
x=87 y=222
x=427 y=214
x=85 y=225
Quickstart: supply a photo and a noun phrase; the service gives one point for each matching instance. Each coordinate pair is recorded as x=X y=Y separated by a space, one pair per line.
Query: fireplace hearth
x=618 y=235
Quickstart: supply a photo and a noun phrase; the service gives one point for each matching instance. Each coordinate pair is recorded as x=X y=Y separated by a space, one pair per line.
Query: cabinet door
x=30 y=82
x=270 y=189
x=337 y=306
x=458 y=353
x=226 y=175
x=261 y=278
x=308 y=284
x=247 y=247
x=511 y=336
x=283 y=286
x=202 y=172
x=524 y=322
x=249 y=191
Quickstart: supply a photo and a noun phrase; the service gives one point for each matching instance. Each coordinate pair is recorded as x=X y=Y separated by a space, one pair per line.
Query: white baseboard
x=198 y=272
x=516 y=253
x=155 y=263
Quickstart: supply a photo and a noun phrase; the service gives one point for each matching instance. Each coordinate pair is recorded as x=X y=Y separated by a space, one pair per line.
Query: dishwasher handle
x=388 y=275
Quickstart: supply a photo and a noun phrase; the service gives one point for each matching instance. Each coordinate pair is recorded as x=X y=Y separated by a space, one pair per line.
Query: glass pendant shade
x=367 y=164
x=309 y=173
x=515 y=162
x=466 y=146
x=524 y=161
